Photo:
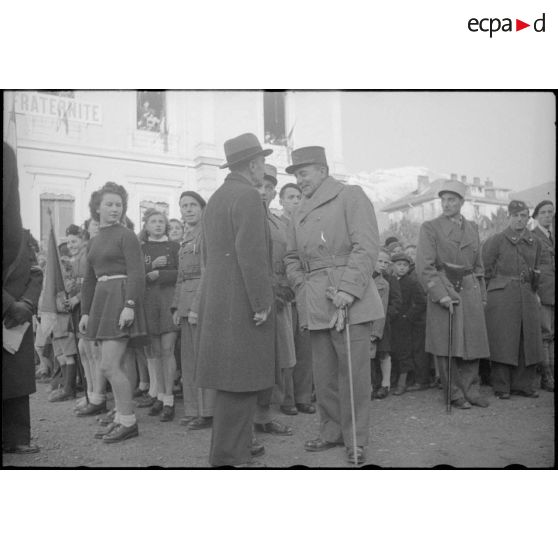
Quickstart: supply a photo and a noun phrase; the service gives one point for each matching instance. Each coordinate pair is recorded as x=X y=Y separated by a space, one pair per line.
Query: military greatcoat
x=509 y=258
x=324 y=250
x=443 y=241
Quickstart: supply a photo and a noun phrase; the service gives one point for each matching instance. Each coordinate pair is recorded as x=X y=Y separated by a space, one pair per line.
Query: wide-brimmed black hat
x=243 y=148
x=311 y=155
x=271 y=174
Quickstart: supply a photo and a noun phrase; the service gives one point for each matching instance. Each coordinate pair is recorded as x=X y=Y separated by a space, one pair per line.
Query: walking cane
x=351 y=389
x=450 y=351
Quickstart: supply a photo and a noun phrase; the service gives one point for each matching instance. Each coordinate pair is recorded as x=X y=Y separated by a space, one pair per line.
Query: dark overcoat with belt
x=547 y=283
x=509 y=257
x=233 y=353
x=442 y=241
x=333 y=241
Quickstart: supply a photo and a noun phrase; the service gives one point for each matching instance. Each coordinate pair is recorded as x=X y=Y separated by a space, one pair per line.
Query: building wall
x=73 y=158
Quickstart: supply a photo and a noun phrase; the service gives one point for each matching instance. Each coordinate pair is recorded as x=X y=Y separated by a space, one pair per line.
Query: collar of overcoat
x=515 y=238
x=328 y=190
x=538 y=232
x=452 y=232
x=237 y=177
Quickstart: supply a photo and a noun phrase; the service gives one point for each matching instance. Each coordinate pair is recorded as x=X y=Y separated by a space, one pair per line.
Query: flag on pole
x=11 y=129
x=53 y=285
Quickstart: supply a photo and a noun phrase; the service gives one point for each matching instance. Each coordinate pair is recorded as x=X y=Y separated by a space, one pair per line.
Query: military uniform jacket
x=444 y=241
x=189 y=272
x=547 y=266
x=512 y=305
x=333 y=241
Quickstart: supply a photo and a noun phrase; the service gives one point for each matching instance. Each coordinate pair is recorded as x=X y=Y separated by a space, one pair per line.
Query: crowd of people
x=245 y=312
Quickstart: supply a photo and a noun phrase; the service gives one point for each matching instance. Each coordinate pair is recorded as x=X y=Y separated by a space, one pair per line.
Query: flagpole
x=66 y=295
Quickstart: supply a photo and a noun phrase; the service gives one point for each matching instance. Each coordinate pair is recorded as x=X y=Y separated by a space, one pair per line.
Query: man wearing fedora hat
x=332 y=246
x=236 y=336
x=449 y=266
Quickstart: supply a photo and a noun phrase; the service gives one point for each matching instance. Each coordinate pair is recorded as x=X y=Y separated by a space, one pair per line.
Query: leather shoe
x=21 y=448
x=257 y=449
x=288 y=409
x=156 y=408
x=359 y=455
x=382 y=393
x=146 y=401
x=185 y=421
x=121 y=433
x=522 y=393
x=103 y=431
x=108 y=418
x=90 y=409
x=461 y=403
x=306 y=408
x=319 y=445
x=200 y=423
x=274 y=427
x=168 y=413
x=502 y=395
x=60 y=395
x=479 y=401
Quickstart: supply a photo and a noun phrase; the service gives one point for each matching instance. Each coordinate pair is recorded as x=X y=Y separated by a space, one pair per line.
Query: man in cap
x=285 y=349
x=449 y=266
x=236 y=335
x=297 y=390
x=544 y=215
x=511 y=259
x=332 y=246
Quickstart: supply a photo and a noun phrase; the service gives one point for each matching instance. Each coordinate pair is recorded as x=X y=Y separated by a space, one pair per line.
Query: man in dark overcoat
x=511 y=260
x=450 y=269
x=236 y=334
x=544 y=215
x=332 y=247
x=21 y=288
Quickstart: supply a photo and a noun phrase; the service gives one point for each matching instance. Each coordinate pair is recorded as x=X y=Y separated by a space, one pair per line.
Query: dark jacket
x=512 y=306
x=547 y=266
x=22 y=281
x=233 y=353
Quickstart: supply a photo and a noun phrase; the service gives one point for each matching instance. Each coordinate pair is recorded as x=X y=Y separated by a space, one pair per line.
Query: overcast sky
x=508 y=137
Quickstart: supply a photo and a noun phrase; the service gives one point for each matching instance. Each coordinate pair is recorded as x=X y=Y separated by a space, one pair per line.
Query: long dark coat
x=512 y=304
x=233 y=353
x=333 y=241
x=443 y=241
x=23 y=280
x=547 y=284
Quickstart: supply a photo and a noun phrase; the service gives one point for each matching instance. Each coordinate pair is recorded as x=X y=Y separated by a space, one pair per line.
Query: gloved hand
x=18 y=313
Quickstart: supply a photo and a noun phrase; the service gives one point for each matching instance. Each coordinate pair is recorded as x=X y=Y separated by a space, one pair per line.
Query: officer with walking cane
x=450 y=269
x=332 y=246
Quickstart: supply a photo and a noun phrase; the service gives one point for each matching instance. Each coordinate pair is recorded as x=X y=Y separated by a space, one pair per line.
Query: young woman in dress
x=112 y=311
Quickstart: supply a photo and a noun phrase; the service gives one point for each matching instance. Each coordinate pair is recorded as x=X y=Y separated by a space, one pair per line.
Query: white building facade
x=154 y=143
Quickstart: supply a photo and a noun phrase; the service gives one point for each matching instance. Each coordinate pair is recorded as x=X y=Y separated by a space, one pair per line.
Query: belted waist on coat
x=523 y=277
x=108 y=277
x=455 y=274
x=194 y=274
x=313 y=264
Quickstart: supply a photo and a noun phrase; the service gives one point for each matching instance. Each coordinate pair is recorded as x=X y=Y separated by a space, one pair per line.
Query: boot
x=547 y=378
x=401 y=384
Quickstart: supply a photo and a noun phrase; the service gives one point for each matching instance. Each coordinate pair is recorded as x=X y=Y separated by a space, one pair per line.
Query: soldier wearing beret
x=332 y=247
x=450 y=269
x=544 y=215
x=511 y=260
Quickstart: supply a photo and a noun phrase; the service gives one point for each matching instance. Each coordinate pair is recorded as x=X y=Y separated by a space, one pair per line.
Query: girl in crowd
x=198 y=403
x=176 y=230
x=112 y=311
x=161 y=264
x=88 y=350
